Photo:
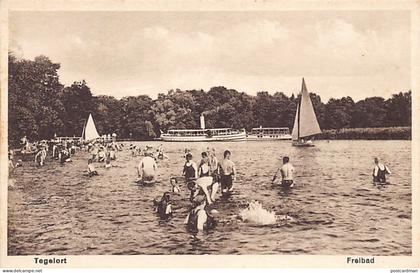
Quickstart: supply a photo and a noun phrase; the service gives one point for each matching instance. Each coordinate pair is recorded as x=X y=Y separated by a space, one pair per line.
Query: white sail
x=306 y=123
x=295 y=124
x=90 y=130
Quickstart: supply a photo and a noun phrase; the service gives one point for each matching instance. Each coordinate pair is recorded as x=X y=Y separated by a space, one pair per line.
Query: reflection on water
x=335 y=207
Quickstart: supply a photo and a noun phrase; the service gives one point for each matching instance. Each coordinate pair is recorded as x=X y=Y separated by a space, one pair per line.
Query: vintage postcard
x=210 y=134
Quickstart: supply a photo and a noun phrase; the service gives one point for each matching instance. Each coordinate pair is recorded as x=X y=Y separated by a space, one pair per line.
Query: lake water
x=56 y=210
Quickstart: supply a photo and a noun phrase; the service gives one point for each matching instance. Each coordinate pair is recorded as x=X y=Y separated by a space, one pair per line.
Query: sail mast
x=83 y=131
x=300 y=103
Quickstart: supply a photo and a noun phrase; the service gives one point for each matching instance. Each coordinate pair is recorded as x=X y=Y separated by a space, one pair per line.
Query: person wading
x=380 y=171
x=286 y=172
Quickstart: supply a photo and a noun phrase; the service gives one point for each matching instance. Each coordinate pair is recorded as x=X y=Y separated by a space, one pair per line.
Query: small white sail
x=90 y=130
x=306 y=123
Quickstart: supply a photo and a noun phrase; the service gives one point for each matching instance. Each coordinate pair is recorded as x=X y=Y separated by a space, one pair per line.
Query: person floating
x=227 y=173
x=147 y=168
x=198 y=219
x=190 y=169
x=286 y=172
x=91 y=168
x=379 y=171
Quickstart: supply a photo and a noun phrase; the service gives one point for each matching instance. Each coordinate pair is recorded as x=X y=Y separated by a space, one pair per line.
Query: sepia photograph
x=220 y=132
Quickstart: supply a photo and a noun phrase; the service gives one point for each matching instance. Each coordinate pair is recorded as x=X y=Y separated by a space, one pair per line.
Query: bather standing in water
x=286 y=172
x=380 y=171
x=41 y=156
x=198 y=219
x=147 y=167
x=91 y=168
x=190 y=171
x=203 y=186
x=227 y=173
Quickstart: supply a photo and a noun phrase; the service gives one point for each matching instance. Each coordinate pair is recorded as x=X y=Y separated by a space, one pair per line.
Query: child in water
x=175 y=186
x=164 y=206
x=91 y=168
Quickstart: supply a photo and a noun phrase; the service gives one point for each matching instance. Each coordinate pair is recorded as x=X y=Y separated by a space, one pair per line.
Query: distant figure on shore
x=380 y=171
x=190 y=169
x=198 y=219
x=91 y=168
x=175 y=186
x=227 y=173
x=147 y=167
x=286 y=172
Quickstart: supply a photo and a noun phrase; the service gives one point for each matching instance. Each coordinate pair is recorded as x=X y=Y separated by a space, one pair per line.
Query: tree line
x=41 y=107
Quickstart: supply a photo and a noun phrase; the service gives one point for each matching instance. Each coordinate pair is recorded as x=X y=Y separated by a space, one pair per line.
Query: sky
x=339 y=53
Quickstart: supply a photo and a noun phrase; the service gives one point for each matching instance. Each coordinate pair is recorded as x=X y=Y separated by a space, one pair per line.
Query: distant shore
x=382 y=133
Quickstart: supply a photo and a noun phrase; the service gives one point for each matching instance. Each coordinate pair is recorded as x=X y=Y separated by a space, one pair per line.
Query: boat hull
x=220 y=138
x=255 y=138
x=302 y=144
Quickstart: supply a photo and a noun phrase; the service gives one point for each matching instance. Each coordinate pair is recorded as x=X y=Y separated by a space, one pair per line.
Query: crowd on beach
x=201 y=181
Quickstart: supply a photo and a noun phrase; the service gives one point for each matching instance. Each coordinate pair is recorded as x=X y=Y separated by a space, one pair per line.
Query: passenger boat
x=306 y=124
x=203 y=134
x=269 y=133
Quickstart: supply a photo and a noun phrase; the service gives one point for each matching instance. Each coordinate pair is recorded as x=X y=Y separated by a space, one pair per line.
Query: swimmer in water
x=108 y=162
x=101 y=155
x=164 y=206
x=91 y=168
x=175 y=186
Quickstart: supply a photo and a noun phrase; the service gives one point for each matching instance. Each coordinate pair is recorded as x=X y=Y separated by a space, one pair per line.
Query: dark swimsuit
x=189 y=173
x=381 y=178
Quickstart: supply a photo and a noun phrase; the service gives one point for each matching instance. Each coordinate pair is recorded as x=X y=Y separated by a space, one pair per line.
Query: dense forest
x=40 y=107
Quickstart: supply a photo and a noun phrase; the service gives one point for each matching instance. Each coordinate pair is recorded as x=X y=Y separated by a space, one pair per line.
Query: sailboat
x=89 y=130
x=306 y=125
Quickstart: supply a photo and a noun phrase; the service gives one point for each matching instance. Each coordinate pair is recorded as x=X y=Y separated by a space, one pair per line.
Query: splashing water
x=256 y=214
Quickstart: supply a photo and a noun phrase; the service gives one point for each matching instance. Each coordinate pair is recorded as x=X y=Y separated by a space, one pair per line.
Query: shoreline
x=379 y=133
